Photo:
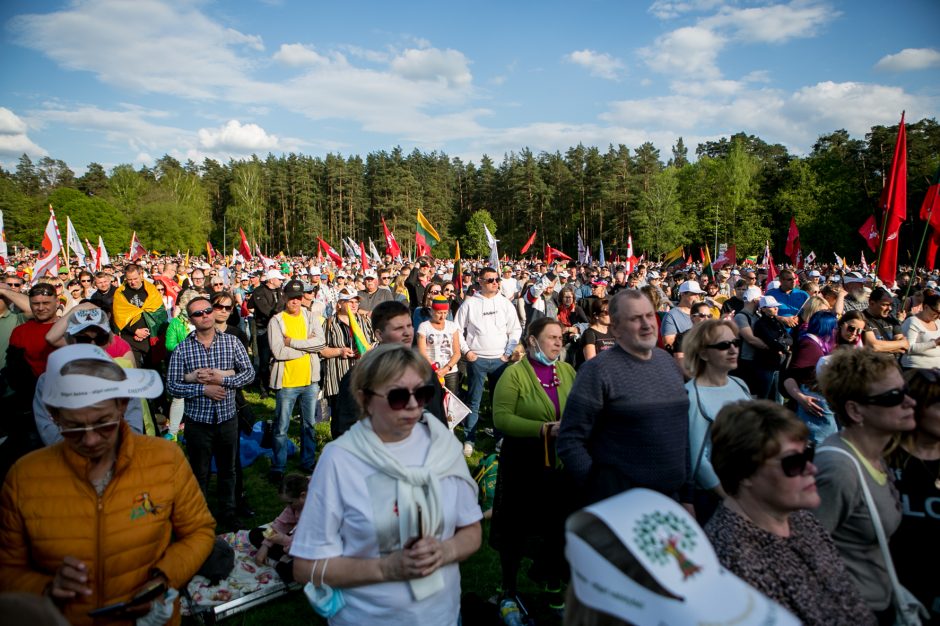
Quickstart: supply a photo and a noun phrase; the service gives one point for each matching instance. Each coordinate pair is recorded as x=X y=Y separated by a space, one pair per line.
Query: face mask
x=325 y=600
x=540 y=356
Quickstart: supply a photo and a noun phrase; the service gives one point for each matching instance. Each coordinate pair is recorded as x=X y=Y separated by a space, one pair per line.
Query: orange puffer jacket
x=151 y=515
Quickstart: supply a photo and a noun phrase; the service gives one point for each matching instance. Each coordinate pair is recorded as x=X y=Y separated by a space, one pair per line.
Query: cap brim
x=76 y=391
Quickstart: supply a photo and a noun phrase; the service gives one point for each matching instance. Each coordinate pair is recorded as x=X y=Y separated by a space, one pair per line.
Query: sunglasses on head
x=725 y=345
x=201 y=312
x=104 y=429
x=892 y=397
x=398 y=398
x=794 y=465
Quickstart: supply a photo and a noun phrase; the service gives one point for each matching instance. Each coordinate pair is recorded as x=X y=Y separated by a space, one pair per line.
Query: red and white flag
x=330 y=252
x=137 y=250
x=809 y=258
x=769 y=262
x=728 y=257
x=792 y=249
x=48 y=261
x=869 y=232
x=93 y=256
x=4 y=255
x=103 y=258
x=243 y=247
x=894 y=203
x=632 y=261
x=391 y=245
x=864 y=263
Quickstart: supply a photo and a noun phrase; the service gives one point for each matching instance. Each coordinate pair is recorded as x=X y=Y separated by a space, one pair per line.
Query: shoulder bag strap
x=708 y=430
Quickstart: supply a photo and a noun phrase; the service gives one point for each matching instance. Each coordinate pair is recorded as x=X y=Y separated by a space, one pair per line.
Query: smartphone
x=153 y=591
x=420 y=523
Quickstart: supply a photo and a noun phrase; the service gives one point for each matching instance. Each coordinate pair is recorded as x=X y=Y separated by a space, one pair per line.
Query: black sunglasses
x=398 y=398
x=201 y=312
x=892 y=397
x=725 y=345
x=794 y=465
x=491 y=280
x=222 y=307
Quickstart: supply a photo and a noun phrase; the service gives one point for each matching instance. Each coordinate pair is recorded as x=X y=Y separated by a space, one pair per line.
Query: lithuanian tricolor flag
x=425 y=237
x=676 y=257
x=362 y=345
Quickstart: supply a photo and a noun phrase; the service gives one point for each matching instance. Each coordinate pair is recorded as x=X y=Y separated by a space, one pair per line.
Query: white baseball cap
x=664 y=542
x=82 y=319
x=752 y=293
x=76 y=391
x=690 y=286
x=768 y=301
x=273 y=274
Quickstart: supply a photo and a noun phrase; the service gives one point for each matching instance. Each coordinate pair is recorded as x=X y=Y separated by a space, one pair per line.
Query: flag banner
x=330 y=252
x=707 y=267
x=554 y=253
x=374 y=251
x=933 y=245
x=839 y=260
x=631 y=261
x=391 y=245
x=243 y=246
x=600 y=255
x=457 y=274
x=48 y=261
x=728 y=257
x=426 y=236
x=529 y=242
x=73 y=241
x=455 y=410
x=362 y=345
x=210 y=252
x=769 y=263
x=357 y=252
x=4 y=254
x=864 y=263
x=930 y=207
x=350 y=251
x=810 y=258
x=674 y=257
x=92 y=256
x=584 y=255
x=172 y=287
x=894 y=203
x=137 y=250
x=363 y=258
x=492 y=241
x=869 y=232
x=792 y=249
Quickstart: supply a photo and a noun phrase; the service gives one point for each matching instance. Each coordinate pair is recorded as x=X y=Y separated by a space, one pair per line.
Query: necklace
x=554 y=382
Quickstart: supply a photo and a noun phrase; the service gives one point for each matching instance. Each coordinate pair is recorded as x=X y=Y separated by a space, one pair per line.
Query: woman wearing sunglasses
x=764 y=531
x=851 y=327
x=393 y=508
x=870 y=400
x=916 y=467
x=710 y=352
x=527 y=406
x=425 y=312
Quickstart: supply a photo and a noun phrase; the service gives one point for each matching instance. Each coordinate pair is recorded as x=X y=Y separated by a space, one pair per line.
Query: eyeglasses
x=853 y=330
x=99 y=339
x=448 y=291
x=701 y=315
x=201 y=313
x=85 y=280
x=398 y=398
x=892 y=397
x=14 y=285
x=794 y=465
x=104 y=429
x=222 y=307
x=435 y=293
x=725 y=345
x=490 y=281
x=385 y=277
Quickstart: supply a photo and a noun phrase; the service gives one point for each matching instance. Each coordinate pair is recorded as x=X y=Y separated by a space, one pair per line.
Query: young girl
x=274 y=541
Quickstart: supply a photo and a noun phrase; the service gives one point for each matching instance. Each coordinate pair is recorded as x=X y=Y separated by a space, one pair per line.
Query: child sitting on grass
x=273 y=542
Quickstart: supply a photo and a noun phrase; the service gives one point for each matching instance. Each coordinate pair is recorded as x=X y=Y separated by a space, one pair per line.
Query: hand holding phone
x=138 y=605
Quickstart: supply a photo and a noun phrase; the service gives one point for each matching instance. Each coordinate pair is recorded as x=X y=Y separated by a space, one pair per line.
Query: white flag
x=374 y=251
x=492 y=241
x=48 y=261
x=75 y=244
x=103 y=258
x=3 y=241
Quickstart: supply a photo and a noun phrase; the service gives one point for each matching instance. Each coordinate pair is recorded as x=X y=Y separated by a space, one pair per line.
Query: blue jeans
x=284 y=405
x=820 y=426
x=477 y=372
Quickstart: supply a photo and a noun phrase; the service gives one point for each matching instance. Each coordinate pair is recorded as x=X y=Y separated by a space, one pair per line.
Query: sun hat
x=677 y=577
x=76 y=391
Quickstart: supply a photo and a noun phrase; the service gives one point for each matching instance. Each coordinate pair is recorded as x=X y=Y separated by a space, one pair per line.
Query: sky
x=115 y=82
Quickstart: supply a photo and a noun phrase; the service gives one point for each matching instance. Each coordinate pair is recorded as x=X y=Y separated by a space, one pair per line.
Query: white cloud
x=299 y=54
x=129 y=125
x=668 y=9
x=432 y=64
x=234 y=136
x=773 y=24
x=599 y=64
x=909 y=59
x=687 y=51
x=14 y=140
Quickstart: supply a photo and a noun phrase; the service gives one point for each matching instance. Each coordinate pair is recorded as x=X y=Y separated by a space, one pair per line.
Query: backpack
x=487 y=471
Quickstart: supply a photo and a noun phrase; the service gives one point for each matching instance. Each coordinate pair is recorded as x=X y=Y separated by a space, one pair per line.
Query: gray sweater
x=630 y=417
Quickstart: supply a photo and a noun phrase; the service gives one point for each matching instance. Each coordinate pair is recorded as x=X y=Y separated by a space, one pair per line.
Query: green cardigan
x=520 y=404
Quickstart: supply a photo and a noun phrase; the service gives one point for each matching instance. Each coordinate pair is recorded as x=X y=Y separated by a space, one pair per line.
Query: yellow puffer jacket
x=151 y=515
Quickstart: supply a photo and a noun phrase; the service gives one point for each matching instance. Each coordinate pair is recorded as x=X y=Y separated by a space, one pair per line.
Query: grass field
x=480 y=574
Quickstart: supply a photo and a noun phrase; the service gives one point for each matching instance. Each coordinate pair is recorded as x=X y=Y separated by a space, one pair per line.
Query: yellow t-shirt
x=296 y=371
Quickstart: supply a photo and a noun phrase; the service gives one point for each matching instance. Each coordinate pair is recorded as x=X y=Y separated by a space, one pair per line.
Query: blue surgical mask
x=325 y=600
x=540 y=356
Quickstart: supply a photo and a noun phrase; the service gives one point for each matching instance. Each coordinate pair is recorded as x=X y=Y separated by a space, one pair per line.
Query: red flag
x=330 y=252
x=894 y=203
x=930 y=208
x=172 y=287
x=48 y=261
x=792 y=249
x=210 y=252
x=391 y=246
x=243 y=248
x=529 y=243
x=364 y=257
x=137 y=250
x=728 y=257
x=933 y=245
x=869 y=232
x=769 y=262
x=552 y=253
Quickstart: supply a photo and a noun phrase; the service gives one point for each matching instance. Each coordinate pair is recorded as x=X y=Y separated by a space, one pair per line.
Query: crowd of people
x=795 y=417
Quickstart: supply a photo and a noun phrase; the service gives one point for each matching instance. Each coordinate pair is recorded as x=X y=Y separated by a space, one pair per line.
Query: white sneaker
x=468 y=449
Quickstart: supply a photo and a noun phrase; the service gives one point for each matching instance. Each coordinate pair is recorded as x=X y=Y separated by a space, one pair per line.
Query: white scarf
x=417 y=486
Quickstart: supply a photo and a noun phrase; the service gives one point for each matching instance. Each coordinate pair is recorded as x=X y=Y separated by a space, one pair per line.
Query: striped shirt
x=225 y=353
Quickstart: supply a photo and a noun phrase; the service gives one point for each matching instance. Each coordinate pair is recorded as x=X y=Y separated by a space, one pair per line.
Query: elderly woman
x=916 y=467
x=870 y=399
x=763 y=531
x=923 y=334
x=391 y=509
x=816 y=341
x=711 y=351
x=527 y=406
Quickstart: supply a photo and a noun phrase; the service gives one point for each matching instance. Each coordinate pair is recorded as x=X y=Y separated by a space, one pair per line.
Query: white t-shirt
x=440 y=342
x=351 y=511
x=509 y=287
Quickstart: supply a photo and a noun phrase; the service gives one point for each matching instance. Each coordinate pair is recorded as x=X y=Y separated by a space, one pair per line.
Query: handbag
x=908 y=610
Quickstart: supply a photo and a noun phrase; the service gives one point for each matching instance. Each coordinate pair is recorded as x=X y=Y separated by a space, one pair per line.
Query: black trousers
x=205 y=441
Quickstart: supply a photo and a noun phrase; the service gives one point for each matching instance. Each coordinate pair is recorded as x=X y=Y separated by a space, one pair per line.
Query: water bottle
x=509 y=611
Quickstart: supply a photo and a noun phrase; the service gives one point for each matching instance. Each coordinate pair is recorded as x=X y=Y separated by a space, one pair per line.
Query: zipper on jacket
x=99 y=563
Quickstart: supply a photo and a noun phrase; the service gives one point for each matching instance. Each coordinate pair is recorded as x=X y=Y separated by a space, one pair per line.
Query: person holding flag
x=139 y=314
x=426 y=237
x=348 y=336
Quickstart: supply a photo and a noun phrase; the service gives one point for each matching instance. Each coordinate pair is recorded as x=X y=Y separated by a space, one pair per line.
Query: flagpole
x=917 y=257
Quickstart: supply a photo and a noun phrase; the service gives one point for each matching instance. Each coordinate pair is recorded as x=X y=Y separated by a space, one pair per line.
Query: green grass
x=480 y=574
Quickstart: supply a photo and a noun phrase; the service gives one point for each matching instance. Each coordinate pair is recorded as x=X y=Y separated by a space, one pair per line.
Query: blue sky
x=128 y=81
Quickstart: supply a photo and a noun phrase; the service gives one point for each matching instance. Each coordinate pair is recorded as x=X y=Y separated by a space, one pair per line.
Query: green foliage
x=91 y=217
x=659 y=222
x=474 y=244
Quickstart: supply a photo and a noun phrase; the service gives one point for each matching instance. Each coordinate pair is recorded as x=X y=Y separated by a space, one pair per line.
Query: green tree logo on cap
x=663 y=535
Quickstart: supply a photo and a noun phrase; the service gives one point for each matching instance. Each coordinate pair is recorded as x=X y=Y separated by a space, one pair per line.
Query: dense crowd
x=789 y=423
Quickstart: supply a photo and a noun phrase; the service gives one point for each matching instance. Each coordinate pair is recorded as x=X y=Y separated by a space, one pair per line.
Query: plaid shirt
x=225 y=353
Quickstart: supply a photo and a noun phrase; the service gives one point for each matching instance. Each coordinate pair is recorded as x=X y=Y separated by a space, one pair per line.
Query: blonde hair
x=812 y=306
x=383 y=364
x=697 y=340
x=848 y=375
